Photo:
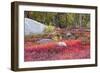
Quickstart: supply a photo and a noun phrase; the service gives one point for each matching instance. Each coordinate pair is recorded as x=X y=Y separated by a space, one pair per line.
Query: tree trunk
x=80 y=20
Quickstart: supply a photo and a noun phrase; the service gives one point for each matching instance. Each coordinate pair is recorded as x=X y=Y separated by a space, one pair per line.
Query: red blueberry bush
x=50 y=51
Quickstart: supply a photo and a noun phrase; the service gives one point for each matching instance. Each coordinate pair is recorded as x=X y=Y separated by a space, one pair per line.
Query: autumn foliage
x=51 y=51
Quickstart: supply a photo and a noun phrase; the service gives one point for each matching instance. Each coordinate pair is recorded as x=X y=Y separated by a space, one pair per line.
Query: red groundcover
x=51 y=51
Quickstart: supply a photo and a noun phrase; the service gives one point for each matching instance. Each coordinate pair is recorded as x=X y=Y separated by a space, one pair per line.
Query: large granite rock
x=33 y=27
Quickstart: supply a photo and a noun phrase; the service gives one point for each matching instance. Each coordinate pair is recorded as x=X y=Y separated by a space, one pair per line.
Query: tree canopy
x=62 y=20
